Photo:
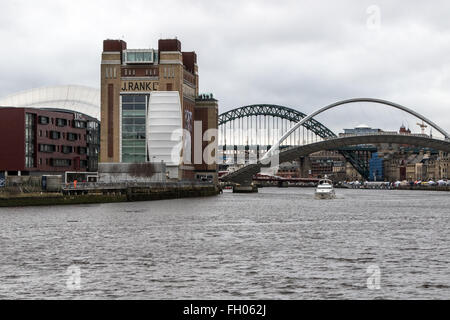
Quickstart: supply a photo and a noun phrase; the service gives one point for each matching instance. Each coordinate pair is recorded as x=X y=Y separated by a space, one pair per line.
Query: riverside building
x=148 y=97
x=37 y=141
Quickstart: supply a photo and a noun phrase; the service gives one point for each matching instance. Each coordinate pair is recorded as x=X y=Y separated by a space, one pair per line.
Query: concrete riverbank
x=109 y=194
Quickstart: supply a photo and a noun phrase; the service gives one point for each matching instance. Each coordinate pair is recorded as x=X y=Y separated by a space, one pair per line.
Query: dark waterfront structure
x=43 y=141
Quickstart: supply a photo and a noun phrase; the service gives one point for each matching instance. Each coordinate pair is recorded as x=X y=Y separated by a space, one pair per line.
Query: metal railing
x=419 y=135
x=82 y=186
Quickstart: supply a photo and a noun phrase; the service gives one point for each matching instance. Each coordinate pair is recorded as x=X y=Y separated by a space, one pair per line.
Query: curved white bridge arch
x=270 y=153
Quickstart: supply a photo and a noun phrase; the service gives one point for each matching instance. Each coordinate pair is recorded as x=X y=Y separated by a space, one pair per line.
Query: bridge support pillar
x=283 y=184
x=250 y=188
x=305 y=166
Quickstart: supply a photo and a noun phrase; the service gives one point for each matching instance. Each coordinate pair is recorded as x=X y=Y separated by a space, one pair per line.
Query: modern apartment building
x=43 y=141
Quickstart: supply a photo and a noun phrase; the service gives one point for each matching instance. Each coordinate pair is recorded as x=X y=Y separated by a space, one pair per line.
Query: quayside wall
x=110 y=194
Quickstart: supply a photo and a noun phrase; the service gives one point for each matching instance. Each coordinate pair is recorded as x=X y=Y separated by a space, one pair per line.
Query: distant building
x=376 y=169
x=319 y=164
x=47 y=141
x=207 y=114
x=289 y=170
x=361 y=129
x=404 y=130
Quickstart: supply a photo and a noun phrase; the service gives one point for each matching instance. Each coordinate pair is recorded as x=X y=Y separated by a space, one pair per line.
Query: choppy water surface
x=277 y=244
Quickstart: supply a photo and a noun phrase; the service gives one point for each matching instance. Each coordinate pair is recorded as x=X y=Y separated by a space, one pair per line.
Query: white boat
x=325 y=190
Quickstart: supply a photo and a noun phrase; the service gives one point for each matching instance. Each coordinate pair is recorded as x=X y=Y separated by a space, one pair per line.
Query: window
x=79 y=124
x=48 y=148
x=61 y=122
x=139 y=56
x=92 y=125
x=82 y=150
x=67 y=149
x=134 y=128
x=55 y=135
x=169 y=87
x=72 y=136
x=30 y=128
x=43 y=120
x=61 y=162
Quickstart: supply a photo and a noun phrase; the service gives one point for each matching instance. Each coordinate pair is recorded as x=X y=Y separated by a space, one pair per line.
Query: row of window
x=148 y=72
x=56 y=135
x=111 y=73
x=29 y=140
x=50 y=148
x=61 y=162
x=141 y=56
x=169 y=72
x=62 y=122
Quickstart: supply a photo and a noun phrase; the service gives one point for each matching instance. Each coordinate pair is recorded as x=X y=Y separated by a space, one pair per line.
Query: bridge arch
x=279 y=112
x=349 y=101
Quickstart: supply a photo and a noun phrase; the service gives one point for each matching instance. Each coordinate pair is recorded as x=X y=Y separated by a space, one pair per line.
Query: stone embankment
x=96 y=193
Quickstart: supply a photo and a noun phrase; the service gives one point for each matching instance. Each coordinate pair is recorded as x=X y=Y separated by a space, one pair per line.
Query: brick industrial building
x=39 y=141
x=146 y=96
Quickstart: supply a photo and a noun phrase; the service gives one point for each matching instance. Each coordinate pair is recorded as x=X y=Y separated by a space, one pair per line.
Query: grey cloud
x=303 y=54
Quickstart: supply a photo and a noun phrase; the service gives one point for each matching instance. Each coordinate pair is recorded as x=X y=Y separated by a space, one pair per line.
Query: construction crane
x=422 y=126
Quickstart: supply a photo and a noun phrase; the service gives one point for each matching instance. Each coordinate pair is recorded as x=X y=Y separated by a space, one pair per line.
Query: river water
x=276 y=244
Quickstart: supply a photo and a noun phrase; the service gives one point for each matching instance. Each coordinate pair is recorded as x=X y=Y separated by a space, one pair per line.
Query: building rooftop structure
x=80 y=99
x=360 y=129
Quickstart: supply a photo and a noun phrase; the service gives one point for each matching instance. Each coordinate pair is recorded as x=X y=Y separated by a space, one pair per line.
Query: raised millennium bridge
x=251 y=128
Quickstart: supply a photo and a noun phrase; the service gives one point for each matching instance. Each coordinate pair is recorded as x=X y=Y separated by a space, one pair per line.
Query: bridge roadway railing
x=386 y=134
x=246 y=173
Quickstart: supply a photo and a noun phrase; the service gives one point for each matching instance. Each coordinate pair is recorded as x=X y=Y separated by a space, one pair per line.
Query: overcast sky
x=301 y=54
